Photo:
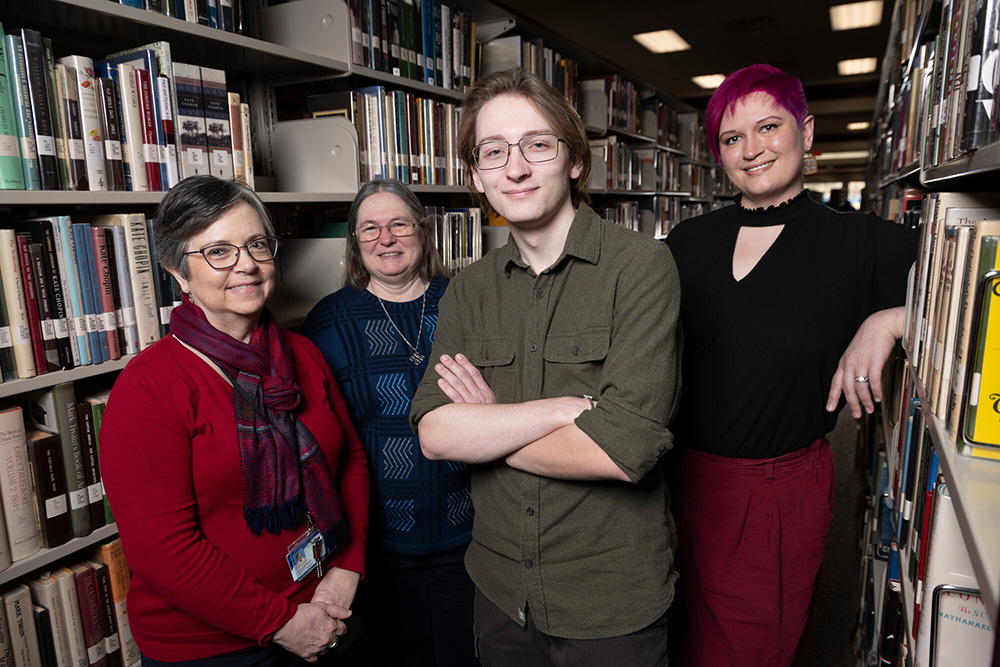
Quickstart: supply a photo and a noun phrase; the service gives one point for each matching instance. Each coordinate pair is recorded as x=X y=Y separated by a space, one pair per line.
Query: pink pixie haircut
x=786 y=91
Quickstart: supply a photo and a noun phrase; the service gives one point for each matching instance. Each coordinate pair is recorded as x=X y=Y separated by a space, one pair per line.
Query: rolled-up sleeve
x=640 y=381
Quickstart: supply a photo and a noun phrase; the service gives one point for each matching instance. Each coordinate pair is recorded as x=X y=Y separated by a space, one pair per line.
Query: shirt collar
x=583 y=242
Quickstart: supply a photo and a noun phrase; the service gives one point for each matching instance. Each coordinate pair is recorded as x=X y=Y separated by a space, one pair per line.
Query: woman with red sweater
x=238 y=484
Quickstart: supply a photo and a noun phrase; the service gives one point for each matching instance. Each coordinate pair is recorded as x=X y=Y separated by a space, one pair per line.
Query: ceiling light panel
x=709 y=81
x=662 y=41
x=857 y=66
x=856 y=15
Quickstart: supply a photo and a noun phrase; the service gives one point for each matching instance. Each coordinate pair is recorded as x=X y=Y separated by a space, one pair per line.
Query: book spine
x=17 y=308
x=49 y=478
x=86 y=592
x=45 y=313
x=44 y=592
x=17 y=604
x=111 y=129
x=107 y=321
x=63 y=238
x=169 y=137
x=18 y=73
x=106 y=609
x=43 y=635
x=236 y=130
x=119 y=317
x=68 y=428
x=66 y=583
x=247 y=143
x=57 y=294
x=91 y=467
x=56 y=114
x=114 y=557
x=132 y=126
x=45 y=143
x=147 y=116
x=69 y=112
x=191 y=118
x=31 y=304
x=15 y=487
x=125 y=290
x=83 y=245
x=90 y=120
x=11 y=172
x=213 y=83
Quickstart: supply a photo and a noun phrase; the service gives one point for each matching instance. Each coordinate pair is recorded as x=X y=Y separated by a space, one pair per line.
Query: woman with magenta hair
x=789 y=309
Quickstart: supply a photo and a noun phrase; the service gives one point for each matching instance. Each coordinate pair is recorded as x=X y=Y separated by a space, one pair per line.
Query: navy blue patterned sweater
x=418 y=506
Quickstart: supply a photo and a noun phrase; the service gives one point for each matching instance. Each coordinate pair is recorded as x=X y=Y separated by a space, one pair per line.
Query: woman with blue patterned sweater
x=416 y=600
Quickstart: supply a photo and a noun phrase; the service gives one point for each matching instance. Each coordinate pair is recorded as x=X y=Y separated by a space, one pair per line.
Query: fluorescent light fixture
x=860 y=125
x=662 y=41
x=857 y=66
x=709 y=81
x=832 y=156
x=856 y=15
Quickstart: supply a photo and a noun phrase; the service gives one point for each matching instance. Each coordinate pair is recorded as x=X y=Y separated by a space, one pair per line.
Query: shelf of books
x=934 y=524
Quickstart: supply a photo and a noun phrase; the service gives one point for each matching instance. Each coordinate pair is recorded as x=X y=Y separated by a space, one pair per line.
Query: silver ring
x=861 y=378
x=336 y=640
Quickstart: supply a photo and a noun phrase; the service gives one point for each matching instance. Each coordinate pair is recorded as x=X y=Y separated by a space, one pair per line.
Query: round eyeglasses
x=226 y=255
x=369 y=231
x=535 y=148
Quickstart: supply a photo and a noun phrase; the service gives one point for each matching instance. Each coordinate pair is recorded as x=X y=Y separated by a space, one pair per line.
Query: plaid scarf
x=283 y=469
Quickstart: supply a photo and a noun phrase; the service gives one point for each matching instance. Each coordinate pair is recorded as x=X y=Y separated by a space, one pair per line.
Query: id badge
x=305 y=554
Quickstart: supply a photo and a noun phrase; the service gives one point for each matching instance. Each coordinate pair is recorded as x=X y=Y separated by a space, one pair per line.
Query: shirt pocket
x=574 y=360
x=494 y=357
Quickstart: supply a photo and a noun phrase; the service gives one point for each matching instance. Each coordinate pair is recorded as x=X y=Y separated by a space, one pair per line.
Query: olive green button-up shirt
x=590 y=559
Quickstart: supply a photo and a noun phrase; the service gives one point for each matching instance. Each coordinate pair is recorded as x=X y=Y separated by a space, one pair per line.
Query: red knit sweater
x=202 y=584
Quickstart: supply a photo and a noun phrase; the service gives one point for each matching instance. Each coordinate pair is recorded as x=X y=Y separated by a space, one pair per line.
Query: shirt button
x=540 y=293
x=576 y=350
x=532 y=347
x=527 y=564
x=531 y=511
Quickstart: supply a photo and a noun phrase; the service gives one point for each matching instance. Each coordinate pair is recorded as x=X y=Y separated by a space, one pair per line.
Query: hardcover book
x=83 y=67
x=42 y=123
x=220 y=146
x=53 y=410
x=11 y=172
x=17 y=307
x=48 y=476
x=17 y=73
x=16 y=490
x=71 y=121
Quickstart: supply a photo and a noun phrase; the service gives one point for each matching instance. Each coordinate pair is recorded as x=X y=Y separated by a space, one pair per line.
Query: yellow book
x=982 y=423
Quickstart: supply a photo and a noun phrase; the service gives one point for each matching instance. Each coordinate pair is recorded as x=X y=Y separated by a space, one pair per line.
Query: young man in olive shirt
x=557 y=375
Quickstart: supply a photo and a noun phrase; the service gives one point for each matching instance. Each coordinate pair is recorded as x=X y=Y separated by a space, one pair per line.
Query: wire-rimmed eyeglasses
x=369 y=231
x=226 y=255
x=535 y=148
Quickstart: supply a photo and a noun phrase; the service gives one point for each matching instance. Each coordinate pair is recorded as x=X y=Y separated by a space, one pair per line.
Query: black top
x=760 y=353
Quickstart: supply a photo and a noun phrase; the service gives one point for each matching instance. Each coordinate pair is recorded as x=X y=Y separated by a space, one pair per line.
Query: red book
x=147 y=117
x=31 y=299
x=107 y=321
x=90 y=612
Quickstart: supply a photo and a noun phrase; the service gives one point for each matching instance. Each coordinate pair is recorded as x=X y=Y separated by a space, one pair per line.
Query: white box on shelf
x=316 y=155
x=321 y=27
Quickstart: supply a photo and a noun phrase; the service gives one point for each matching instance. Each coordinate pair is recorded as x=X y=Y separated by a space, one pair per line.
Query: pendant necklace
x=416 y=358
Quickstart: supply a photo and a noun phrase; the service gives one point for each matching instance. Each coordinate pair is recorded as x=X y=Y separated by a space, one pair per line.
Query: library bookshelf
x=926 y=140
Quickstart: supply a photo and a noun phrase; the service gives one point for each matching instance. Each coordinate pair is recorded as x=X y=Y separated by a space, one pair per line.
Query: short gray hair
x=191 y=207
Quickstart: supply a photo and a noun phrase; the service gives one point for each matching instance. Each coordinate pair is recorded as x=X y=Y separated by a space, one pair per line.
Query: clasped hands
x=318 y=625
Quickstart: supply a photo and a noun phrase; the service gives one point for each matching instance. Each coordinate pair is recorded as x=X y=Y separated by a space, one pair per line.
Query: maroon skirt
x=751 y=536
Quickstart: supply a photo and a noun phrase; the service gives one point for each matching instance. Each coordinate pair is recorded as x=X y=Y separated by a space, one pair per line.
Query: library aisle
x=829 y=638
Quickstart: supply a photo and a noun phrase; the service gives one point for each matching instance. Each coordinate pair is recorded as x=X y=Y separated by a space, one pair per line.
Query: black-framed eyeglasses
x=369 y=231
x=535 y=148
x=226 y=255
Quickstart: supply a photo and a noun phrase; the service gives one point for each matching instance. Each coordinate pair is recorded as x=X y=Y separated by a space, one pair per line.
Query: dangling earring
x=809 y=165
